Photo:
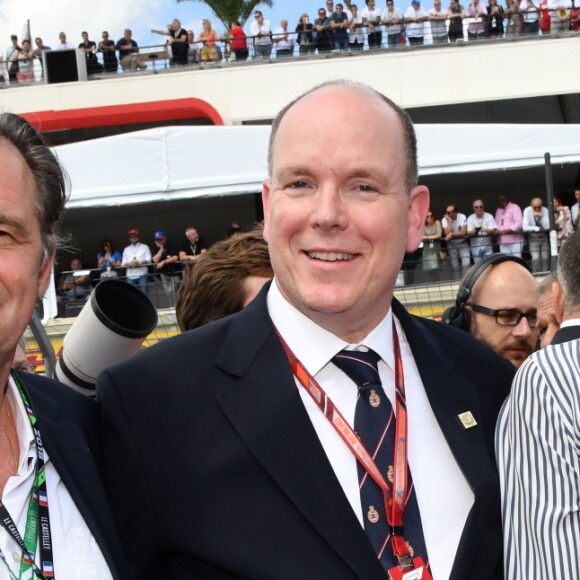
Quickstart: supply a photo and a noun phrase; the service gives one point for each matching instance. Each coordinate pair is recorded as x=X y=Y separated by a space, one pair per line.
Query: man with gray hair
x=481 y=227
x=537 y=445
x=128 y=52
x=49 y=431
x=549 y=315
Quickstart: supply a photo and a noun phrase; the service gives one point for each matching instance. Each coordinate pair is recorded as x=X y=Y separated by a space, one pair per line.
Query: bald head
x=331 y=88
x=511 y=287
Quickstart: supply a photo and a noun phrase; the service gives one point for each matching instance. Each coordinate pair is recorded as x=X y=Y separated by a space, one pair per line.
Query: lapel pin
x=467 y=420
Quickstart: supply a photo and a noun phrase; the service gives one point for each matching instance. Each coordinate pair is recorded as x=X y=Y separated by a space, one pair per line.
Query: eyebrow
x=16 y=224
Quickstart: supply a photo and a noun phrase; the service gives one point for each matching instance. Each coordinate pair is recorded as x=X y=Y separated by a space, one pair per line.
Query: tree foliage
x=228 y=10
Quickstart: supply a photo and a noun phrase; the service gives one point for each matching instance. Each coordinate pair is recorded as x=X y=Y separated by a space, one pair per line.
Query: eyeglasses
x=451 y=211
x=536 y=207
x=507 y=316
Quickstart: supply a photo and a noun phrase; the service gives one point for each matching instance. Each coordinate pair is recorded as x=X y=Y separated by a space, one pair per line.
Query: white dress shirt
x=429 y=455
x=263 y=29
x=486 y=222
x=76 y=553
x=281 y=42
x=529 y=224
x=139 y=252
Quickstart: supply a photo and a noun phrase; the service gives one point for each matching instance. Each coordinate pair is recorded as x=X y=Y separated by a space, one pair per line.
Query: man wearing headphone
x=496 y=303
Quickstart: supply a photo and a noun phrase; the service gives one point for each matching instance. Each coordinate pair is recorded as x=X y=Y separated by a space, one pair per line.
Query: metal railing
x=158 y=57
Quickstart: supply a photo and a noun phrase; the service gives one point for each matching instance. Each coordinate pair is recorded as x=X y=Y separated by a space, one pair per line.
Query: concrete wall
x=418 y=77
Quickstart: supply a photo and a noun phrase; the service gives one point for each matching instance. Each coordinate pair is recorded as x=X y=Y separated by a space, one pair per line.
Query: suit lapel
x=449 y=396
x=69 y=451
x=566 y=334
x=266 y=410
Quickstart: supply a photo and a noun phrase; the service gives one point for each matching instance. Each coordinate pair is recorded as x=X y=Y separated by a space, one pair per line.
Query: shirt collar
x=23 y=428
x=313 y=345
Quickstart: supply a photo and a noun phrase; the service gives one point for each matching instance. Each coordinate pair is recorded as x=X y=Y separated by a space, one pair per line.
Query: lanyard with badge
x=408 y=567
x=37 y=531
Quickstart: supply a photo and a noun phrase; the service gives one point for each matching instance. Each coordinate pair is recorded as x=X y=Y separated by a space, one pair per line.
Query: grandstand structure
x=513 y=80
x=522 y=80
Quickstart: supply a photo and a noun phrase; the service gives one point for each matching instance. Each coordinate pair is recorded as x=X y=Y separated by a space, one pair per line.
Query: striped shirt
x=538 y=454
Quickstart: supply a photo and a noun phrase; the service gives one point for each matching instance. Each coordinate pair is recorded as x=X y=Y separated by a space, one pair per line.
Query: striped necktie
x=374 y=423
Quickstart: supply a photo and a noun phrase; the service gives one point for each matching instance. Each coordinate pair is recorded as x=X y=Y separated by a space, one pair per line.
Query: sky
x=49 y=17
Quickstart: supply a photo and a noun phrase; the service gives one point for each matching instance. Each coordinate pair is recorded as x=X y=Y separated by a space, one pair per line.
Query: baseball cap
x=133 y=232
x=159 y=235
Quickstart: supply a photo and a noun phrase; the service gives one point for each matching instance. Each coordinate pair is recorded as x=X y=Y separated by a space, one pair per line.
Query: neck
x=349 y=326
x=570 y=314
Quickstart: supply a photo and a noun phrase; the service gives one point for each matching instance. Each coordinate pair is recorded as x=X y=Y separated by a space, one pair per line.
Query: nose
x=523 y=329
x=329 y=211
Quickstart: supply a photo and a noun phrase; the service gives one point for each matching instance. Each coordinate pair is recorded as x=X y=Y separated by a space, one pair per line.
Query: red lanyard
x=394 y=501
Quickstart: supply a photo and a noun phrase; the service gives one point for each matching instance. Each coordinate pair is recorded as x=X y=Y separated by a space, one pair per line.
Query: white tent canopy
x=173 y=163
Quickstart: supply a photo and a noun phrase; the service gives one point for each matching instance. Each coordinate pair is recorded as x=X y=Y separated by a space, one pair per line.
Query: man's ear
x=45 y=273
x=266 y=189
x=558 y=301
x=419 y=201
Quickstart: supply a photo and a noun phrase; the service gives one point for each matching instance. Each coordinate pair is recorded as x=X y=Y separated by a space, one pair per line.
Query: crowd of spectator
x=138 y=263
x=451 y=245
x=338 y=27
x=464 y=239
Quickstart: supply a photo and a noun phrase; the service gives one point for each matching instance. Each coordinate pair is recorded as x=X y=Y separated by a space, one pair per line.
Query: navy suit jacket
x=68 y=425
x=566 y=334
x=215 y=471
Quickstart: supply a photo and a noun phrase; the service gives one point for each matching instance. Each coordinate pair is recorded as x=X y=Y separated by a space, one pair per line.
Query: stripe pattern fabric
x=538 y=454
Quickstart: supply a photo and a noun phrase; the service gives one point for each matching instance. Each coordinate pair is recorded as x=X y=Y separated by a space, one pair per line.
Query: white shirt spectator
x=529 y=10
x=574 y=209
x=529 y=224
x=417 y=29
x=389 y=15
x=139 y=252
x=459 y=222
x=370 y=16
x=485 y=222
x=438 y=27
x=283 y=39
x=263 y=29
x=356 y=34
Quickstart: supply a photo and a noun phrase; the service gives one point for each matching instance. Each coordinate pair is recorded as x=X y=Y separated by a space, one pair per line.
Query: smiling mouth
x=330 y=256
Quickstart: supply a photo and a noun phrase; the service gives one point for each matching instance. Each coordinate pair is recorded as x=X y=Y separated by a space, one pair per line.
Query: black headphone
x=457 y=316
